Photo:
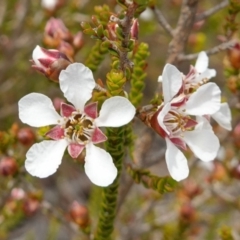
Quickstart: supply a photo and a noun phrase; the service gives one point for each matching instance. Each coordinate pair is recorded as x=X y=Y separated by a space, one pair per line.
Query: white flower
x=198 y=76
x=179 y=128
x=203 y=73
x=223 y=116
x=202 y=67
x=76 y=128
x=49 y=4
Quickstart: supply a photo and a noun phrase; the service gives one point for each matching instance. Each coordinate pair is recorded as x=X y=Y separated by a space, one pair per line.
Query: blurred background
x=63 y=206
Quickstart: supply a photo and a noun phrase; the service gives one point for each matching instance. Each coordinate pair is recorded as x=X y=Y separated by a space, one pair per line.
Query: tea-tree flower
x=179 y=120
x=199 y=75
x=77 y=126
x=201 y=66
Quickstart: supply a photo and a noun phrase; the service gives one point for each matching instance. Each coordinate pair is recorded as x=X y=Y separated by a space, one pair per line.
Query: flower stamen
x=78 y=128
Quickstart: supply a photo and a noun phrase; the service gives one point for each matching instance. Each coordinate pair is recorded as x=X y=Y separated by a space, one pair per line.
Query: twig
x=211 y=11
x=142 y=159
x=182 y=31
x=126 y=24
x=214 y=50
x=162 y=21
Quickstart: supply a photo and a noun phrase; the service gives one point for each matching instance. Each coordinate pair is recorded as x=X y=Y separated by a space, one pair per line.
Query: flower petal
x=38 y=53
x=202 y=62
x=206 y=100
x=166 y=108
x=171 y=82
x=203 y=142
x=223 y=117
x=203 y=123
x=176 y=162
x=99 y=166
x=77 y=84
x=44 y=158
x=75 y=149
x=37 y=110
x=115 y=112
x=209 y=73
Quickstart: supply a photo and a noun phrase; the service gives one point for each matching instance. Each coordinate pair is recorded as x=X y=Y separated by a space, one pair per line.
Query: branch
x=126 y=24
x=162 y=21
x=221 y=47
x=145 y=156
x=182 y=31
x=211 y=11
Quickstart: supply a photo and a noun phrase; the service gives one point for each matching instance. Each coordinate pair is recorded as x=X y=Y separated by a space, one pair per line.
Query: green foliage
x=138 y=74
x=160 y=184
x=103 y=14
x=96 y=56
x=232 y=25
x=115 y=147
x=226 y=233
x=115 y=82
x=6 y=140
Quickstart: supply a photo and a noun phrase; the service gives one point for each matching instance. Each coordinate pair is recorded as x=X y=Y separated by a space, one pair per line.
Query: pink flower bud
x=31 y=202
x=236 y=135
x=56 y=31
x=8 y=166
x=79 y=214
x=67 y=49
x=135 y=29
x=78 y=40
x=26 y=136
x=187 y=213
x=112 y=30
x=234 y=56
x=17 y=194
x=49 y=62
x=30 y=205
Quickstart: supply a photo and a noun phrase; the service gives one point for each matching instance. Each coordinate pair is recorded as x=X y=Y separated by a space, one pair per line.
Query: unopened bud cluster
x=58 y=36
